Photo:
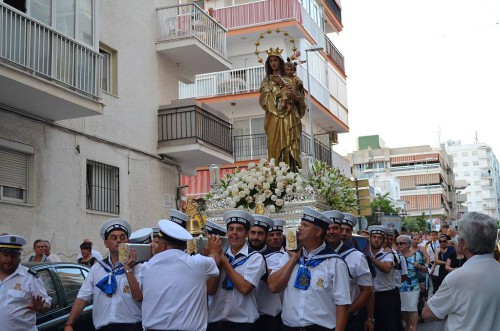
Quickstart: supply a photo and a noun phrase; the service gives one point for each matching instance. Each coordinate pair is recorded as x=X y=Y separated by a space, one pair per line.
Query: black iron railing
x=334 y=54
x=194 y=122
x=250 y=147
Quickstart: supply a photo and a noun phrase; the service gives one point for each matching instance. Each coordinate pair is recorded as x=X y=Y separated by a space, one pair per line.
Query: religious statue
x=282 y=98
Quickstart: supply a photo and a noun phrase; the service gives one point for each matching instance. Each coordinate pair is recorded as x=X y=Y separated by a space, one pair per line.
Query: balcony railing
x=194 y=122
x=266 y=12
x=335 y=9
x=250 y=147
x=223 y=83
x=190 y=21
x=334 y=54
x=37 y=48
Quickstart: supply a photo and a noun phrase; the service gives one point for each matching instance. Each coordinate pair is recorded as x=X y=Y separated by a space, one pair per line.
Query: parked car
x=62 y=282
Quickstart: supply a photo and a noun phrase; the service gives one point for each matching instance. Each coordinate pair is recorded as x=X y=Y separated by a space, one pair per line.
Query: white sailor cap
x=12 y=243
x=390 y=231
x=316 y=217
x=350 y=220
x=238 y=216
x=263 y=221
x=115 y=224
x=279 y=225
x=377 y=229
x=172 y=231
x=214 y=228
x=178 y=217
x=141 y=236
x=335 y=216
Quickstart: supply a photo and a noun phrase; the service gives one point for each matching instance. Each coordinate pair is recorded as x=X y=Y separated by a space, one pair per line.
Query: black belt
x=312 y=327
x=226 y=324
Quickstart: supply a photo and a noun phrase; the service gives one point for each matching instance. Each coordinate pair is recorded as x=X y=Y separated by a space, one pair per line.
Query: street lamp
x=313 y=48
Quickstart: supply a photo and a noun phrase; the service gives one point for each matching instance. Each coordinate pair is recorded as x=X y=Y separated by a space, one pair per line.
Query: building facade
x=478 y=166
x=82 y=84
x=425 y=175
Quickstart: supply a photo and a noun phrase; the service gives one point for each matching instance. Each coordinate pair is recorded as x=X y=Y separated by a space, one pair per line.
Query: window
x=465 y=154
x=474 y=153
x=71 y=280
x=476 y=173
x=476 y=163
x=103 y=187
x=466 y=174
x=109 y=75
x=48 y=283
x=477 y=182
x=465 y=164
x=16 y=171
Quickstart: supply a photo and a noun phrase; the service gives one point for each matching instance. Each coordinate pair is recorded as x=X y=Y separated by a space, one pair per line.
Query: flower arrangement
x=265 y=182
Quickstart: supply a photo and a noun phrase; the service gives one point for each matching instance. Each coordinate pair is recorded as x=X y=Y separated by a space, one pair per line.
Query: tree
x=380 y=204
x=415 y=223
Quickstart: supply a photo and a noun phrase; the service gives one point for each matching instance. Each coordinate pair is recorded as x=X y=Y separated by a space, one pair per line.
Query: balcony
x=264 y=13
x=194 y=137
x=334 y=54
x=45 y=73
x=251 y=147
x=191 y=38
x=334 y=14
x=461 y=198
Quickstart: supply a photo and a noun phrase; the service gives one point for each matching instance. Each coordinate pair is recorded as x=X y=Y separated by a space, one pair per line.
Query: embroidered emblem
x=126 y=289
x=320 y=282
x=17 y=287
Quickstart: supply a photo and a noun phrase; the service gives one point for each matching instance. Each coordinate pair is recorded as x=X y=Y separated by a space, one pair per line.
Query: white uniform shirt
x=54 y=258
x=174 y=289
x=383 y=281
x=359 y=270
x=16 y=292
x=329 y=287
x=117 y=308
x=269 y=303
x=469 y=296
x=231 y=305
x=431 y=249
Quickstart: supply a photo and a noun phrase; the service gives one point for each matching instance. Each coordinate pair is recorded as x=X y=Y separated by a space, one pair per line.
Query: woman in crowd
x=87 y=258
x=441 y=256
x=39 y=248
x=410 y=288
x=457 y=260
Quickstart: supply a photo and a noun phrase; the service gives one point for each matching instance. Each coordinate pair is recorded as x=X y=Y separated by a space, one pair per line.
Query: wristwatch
x=129 y=270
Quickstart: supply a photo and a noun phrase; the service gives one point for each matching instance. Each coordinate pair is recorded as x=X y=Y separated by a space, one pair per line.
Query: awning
x=199 y=185
x=421 y=202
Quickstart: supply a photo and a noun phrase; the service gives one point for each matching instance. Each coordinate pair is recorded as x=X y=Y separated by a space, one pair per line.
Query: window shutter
x=13 y=169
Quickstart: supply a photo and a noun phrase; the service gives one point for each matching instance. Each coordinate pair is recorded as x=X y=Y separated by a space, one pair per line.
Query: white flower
x=280 y=185
x=279 y=202
x=290 y=175
x=289 y=190
x=249 y=199
x=251 y=186
x=278 y=192
x=236 y=199
x=231 y=203
x=251 y=165
x=300 y=189
x=272 y=209
x=241 y=194
x=266 y=186
x=246 y=191
x=274 y=197
x=282 y=164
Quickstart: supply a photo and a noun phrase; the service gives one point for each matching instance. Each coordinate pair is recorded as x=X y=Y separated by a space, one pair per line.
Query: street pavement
x=431 y=326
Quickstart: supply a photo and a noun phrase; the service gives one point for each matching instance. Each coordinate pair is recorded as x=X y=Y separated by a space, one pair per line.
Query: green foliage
x=415 y=223
x=382 y=204
x=334 y=186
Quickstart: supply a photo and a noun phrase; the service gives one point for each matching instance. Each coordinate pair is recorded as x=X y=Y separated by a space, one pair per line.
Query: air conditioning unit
x=334 y=138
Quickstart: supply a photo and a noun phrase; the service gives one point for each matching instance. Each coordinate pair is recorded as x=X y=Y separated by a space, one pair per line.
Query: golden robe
x=282 y=120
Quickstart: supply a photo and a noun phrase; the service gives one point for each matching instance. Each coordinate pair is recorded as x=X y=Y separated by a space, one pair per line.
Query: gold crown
x=274 y=52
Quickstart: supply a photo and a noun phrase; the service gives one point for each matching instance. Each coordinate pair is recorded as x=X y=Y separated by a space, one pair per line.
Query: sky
x=421 y=72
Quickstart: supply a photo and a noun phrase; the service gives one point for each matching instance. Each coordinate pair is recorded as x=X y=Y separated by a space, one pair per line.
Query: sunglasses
x=401 y=243
x=443 y=241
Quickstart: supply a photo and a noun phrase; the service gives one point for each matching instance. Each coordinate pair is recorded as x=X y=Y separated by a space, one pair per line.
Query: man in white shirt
x=469 y=296
x=315 y=280
x=234 y=305
x=53 y=257
x=179 y=301
x=360 y=281
x=112 y=286
x=22 y=293
x=382 y=267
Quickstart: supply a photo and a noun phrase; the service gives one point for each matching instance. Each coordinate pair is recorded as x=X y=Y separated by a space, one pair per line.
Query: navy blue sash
x=303 y=277
x=238 y=260
x=108 y=284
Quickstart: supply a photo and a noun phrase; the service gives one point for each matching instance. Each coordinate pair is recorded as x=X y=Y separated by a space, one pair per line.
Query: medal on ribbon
x=303 y=278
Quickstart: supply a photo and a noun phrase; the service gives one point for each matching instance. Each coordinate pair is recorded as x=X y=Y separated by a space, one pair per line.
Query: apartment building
x=425 y=175
x=82 y=83
x=478 y=166
x=232 y=94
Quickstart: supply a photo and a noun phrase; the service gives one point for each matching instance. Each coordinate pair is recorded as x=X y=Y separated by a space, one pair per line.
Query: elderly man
x=22 y=293
x=360 y=282
x=234 y=305
x=179 y=301
x=112 y=285
x=314 y=279
x=469 y=296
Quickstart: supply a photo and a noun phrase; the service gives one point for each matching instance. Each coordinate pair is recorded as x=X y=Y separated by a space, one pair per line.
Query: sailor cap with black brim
x=279 y=225
x=156 y=232
x=173 y=232
x=377 y=229
x=350 y=219
x=238 y=217
x=263 y=221
x=316 y=217
x=335 y=215
x=141 y=236
x=115 y=224
x=178 y=217
x=12 y=243
x=215 y=229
